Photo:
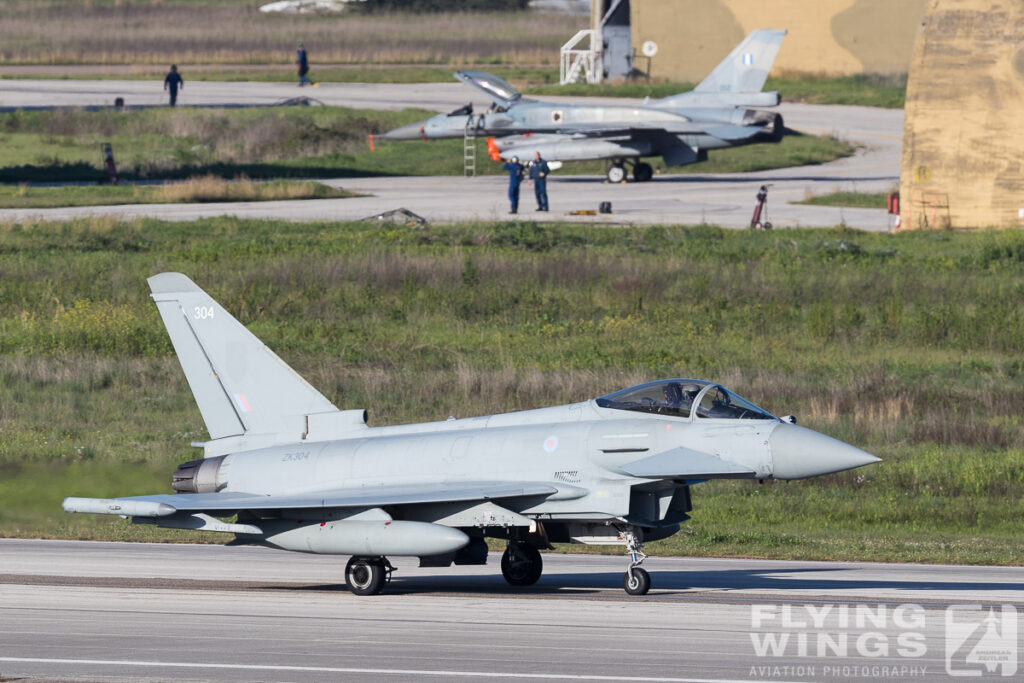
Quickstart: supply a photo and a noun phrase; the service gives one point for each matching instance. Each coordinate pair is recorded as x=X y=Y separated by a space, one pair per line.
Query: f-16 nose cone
x=798 y=452
x=410 y=131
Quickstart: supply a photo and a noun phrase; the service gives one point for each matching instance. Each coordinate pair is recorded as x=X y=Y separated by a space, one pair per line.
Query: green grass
x=867 y=90
x=201 y=190
x=290 y=142
x=907 y=345
x=860 y=200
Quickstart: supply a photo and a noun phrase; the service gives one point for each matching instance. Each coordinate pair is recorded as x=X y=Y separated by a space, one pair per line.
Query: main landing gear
x=616 y=173
x=521 y=564
x=636 y=580
x=368 y=575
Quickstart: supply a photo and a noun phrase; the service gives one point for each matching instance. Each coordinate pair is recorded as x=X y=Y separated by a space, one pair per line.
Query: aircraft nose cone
x=410 y=131
x=798 y=452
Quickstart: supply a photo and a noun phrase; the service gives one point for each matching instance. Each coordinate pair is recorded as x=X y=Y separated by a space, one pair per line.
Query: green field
x=859 y=200
x=281 y=142
x=200 y=189
x=868 y=90
x=907 y=345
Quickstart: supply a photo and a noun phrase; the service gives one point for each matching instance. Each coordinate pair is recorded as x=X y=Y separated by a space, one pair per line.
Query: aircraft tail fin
x=241 y=386
x=746 y=68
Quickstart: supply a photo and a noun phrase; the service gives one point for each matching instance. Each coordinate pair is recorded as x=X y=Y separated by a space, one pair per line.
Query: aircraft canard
x=302 y=475
x=720 y=112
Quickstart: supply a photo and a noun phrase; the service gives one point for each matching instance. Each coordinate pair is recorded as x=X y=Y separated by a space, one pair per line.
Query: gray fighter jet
x=680 y=129
x=302 y=475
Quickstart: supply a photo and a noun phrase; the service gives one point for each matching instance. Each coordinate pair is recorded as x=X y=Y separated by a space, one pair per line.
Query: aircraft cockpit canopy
x=677 y=398
x=494 y=87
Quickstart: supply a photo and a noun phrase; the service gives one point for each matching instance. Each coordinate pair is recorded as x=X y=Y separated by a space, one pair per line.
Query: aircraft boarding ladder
x=474 y=124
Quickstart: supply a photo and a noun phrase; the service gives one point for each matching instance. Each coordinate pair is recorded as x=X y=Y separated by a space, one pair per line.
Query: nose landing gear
x=636 y=580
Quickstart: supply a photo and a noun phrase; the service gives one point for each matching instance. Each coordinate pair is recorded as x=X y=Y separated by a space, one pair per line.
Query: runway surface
x=725 y=200
x=114 y=611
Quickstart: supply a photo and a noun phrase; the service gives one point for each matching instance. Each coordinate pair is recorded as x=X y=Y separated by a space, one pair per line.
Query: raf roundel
x=551 y=444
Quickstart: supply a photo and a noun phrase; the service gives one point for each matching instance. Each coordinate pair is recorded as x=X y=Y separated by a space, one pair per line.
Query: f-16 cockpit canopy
x=677 y=398
x=494 y=87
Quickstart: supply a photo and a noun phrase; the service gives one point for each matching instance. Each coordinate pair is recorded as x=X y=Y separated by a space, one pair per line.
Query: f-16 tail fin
x=241 y=386
x=746 y=68
x=738 y=79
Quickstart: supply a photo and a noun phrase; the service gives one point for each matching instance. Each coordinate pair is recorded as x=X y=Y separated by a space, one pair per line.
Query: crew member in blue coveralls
x=515 y=178
x=539 y=175
x=172 y=82
x=302 y=66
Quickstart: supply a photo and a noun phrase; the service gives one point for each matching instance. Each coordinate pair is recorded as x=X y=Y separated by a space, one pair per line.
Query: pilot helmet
x=515 y=160
x=691 y=390
x=672 y=392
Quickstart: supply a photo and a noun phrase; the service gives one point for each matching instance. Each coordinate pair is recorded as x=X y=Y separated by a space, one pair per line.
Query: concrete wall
x=825 y=36
x=963 y=139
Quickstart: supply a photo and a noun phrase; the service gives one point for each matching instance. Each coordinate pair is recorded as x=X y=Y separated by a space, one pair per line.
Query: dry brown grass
x=53 y=32
x=215 y=189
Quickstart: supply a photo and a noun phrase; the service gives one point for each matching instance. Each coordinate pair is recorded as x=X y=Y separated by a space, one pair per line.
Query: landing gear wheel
x=616 y=173
x=637 y=581
x=642 y=172
x=366 y=575
x=521 y=564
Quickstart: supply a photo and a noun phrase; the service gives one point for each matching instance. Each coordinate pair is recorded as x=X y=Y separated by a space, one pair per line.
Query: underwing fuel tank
x=576 y=150
x=414 y=539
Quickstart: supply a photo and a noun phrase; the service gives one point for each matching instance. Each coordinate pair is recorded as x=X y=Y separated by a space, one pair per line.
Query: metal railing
x=580 y=64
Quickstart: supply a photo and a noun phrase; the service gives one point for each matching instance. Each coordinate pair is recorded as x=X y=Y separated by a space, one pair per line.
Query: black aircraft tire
x=637 y=581
x=365 y=576
x=642 y=172
x=526 y=570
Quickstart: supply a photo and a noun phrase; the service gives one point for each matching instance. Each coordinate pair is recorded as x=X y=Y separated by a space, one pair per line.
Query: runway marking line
x=350 y=670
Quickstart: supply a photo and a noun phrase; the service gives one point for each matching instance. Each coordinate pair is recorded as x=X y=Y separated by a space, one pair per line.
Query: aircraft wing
x=164 y=505
x=684 y=463
x=722 y=131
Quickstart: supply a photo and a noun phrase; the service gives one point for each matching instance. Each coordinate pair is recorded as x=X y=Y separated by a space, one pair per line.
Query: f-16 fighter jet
x=680 y=129
x=299 y=474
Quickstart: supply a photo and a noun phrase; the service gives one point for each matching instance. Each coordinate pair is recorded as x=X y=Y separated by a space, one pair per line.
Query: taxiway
x=724 y=200
x=117 y=611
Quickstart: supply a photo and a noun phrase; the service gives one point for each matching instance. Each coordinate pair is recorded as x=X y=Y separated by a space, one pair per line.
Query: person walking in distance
x=302 y=65
x=515 y=178
x=172 y=82
x=539 y=175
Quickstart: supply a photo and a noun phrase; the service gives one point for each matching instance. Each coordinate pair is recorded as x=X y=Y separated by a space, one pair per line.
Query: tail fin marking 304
x=240 y=385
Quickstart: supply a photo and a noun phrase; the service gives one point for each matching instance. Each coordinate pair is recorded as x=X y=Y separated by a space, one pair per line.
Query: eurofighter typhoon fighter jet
x=680 y=129
x=302 y=475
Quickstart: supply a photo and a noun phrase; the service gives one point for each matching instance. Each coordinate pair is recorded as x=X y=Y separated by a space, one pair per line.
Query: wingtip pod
x=118 y=506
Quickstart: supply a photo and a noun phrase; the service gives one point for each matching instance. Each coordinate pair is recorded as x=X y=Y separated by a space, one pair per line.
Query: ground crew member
x=172 y=82
x=539 y=175
x=515 y=178
x=302 y=66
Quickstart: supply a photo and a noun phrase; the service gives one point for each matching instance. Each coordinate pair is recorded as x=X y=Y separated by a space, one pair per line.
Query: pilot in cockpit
x=673 y=395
